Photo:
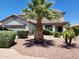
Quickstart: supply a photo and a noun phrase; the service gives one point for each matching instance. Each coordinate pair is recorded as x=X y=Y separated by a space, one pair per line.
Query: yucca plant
x=69 y=34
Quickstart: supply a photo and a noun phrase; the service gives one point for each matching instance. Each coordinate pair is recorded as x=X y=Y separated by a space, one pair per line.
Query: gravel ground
x=13 y=54
x=56 y=51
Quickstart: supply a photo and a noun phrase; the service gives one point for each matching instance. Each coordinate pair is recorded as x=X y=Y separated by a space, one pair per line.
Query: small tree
x=69 y=34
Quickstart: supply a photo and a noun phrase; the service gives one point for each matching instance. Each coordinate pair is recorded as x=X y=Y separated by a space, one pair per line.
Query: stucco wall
x=31 y=27
x=16 y=22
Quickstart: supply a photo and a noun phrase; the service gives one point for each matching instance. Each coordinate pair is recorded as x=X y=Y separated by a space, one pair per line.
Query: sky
x=70 y=7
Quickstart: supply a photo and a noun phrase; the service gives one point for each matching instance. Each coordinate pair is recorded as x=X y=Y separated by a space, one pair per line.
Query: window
x=48 y=27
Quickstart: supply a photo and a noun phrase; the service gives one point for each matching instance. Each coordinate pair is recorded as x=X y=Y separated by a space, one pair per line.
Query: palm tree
x=69 y=34
x=39 y=9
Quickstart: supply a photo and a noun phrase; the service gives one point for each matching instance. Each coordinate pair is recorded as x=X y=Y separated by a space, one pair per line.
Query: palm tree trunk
x=70 y=42
x=66 y=41
x=39 y=31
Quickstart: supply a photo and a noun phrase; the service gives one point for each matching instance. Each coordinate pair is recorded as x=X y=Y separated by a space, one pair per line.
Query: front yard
x=56 y=51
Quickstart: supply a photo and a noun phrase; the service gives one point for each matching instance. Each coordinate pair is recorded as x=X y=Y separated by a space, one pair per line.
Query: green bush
x=76 y=31
x=47 y=32
x=22 y=34
x=57 y=34
x=7 y=38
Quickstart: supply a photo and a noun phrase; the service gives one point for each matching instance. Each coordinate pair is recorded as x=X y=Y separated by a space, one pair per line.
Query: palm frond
x=69 y=33
x=41 y=9
x=25 y=10
x=48 y=5
x=30 y=5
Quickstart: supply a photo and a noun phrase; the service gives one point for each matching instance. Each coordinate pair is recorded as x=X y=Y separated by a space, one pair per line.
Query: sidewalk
x=13 y=54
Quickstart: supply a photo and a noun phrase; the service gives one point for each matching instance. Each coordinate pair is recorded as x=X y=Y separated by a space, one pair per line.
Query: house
x=17 y=22
x=76 y=26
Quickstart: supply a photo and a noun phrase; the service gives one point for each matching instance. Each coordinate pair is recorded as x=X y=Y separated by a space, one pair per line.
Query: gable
x=14 y=20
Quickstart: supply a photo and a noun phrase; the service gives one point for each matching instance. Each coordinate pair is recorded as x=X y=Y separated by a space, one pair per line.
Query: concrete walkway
x=13 y=54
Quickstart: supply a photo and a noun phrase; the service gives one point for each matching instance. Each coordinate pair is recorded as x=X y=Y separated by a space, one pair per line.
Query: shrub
x=47 y=32
x=76 y=31
x=57 y=34
x=7 y=38
x=3 y=28
x=22 y=34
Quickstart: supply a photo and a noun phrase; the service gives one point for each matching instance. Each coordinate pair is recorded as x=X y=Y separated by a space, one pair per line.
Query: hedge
x=76 y=31
x=7 y=38
x=57 y=34
x=22 y=34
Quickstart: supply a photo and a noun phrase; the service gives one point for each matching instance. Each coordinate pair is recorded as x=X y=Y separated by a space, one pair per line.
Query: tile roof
x=45 y=21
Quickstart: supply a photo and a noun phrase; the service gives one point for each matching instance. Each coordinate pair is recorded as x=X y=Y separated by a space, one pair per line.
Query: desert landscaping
x=38 y=29
x=55 y=51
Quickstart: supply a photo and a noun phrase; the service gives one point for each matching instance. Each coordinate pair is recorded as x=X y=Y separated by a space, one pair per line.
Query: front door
x=60 y=29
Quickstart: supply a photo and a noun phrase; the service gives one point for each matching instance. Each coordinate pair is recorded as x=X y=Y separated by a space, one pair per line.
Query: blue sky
x=71 y=7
